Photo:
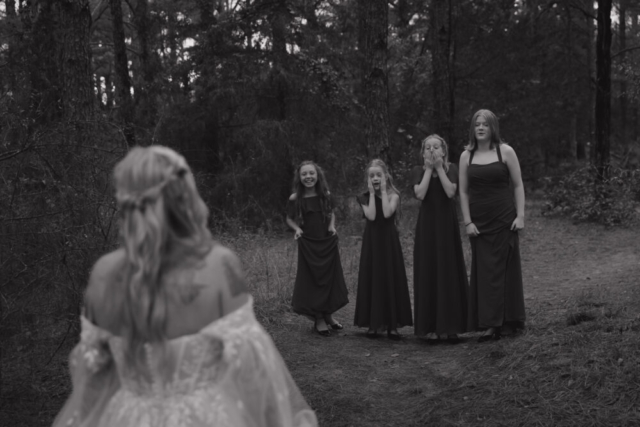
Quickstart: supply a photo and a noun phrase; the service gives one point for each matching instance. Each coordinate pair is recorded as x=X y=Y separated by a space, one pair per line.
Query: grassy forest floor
x=576 y=364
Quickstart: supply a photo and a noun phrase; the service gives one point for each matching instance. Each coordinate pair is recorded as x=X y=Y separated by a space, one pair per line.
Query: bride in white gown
x=169 y=337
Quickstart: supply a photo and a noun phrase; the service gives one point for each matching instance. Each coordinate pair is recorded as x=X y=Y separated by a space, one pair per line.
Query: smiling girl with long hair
x=320 y=289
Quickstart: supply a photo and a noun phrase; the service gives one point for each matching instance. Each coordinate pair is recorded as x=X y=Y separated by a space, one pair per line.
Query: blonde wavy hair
x=164 y=225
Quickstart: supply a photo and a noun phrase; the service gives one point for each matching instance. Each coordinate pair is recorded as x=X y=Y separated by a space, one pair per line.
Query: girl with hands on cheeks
x=319 y=289
x=439 y=272
x=382 y=302
x=492 y=202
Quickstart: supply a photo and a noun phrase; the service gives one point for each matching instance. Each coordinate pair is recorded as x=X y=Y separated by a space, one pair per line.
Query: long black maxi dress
x=496 y=296
x=439 y=273
x=319 y=288
x=382 y=301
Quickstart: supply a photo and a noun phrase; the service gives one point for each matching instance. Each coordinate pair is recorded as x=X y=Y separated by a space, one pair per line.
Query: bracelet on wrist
x=468 y=223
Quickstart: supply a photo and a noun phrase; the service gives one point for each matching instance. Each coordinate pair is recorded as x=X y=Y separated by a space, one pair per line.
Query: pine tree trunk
x=603 y=90
x=278 y=21
x=622 y=37
x=10 y=7
x=573 y=140
x=635 y=117
x=589 y=150
x=73 y=56
x=145 y=106
x=374 y=16
x=123 y=83
x=443 y=61
x=42 y=65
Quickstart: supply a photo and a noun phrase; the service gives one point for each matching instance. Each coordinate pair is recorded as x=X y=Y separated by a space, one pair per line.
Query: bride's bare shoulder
x=106 y=273
x=224 y=272
x=108 y=262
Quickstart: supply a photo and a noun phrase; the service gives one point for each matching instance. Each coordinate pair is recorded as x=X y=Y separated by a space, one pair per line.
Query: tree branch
x=25 y=218
x=625 y=50
x=97 y=12
x=584 y=12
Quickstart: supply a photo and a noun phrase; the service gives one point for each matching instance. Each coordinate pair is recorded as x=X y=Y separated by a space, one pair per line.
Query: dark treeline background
x=245 y=90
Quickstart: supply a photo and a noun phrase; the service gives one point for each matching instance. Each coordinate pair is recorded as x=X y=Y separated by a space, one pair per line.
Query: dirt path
x=353 y=381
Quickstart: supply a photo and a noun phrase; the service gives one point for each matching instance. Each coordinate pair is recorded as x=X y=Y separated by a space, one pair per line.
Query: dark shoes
x=394 y=335
x=336 y=326
x=324 y=333
x=433 y=338
x=371 y=334
x=453 y=339
x=492 y=334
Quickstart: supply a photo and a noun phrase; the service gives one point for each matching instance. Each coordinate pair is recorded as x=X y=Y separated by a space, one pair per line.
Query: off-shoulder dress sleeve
x=93 y=376
x=258 y=376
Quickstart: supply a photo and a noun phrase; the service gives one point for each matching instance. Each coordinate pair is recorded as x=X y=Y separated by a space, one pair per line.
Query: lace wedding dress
x=228 y=374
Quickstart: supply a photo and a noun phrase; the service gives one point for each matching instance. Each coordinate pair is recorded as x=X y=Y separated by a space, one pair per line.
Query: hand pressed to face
x=377 y=178
x=428 y=159
x=438 y=160
x=371 y=189
x=432 y=151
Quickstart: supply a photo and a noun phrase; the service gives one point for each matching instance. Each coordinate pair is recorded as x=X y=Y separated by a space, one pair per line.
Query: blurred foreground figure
x=169 y=337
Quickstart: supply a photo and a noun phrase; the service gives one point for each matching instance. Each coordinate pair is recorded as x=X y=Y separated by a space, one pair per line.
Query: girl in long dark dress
x=320 y=289
x=439 y=273
x=493 y=214
x=383 y=301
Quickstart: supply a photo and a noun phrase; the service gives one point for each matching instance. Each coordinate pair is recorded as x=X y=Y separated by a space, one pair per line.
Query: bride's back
x=168 y=279
x=198 y=292
x=169 y=337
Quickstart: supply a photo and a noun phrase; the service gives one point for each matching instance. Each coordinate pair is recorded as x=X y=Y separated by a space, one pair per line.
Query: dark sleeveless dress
x=320 y=288
x=439 y=273
x=383 y=300
x=496 y=295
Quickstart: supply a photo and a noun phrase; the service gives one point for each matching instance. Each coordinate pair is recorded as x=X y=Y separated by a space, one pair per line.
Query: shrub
x=582 y=196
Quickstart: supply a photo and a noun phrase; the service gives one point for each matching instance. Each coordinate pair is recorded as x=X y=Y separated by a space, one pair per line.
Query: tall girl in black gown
x=439 y=273
x=383 y=301
x=320 y=289
x=492 y=201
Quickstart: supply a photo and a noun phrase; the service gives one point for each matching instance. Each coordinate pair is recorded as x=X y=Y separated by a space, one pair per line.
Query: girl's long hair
x=445 y=149
x=164 y=224
x=492 y=120
x=382 y=165
x=322 y=190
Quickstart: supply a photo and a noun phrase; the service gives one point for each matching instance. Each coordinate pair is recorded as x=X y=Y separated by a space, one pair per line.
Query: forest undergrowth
x=576 y=364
